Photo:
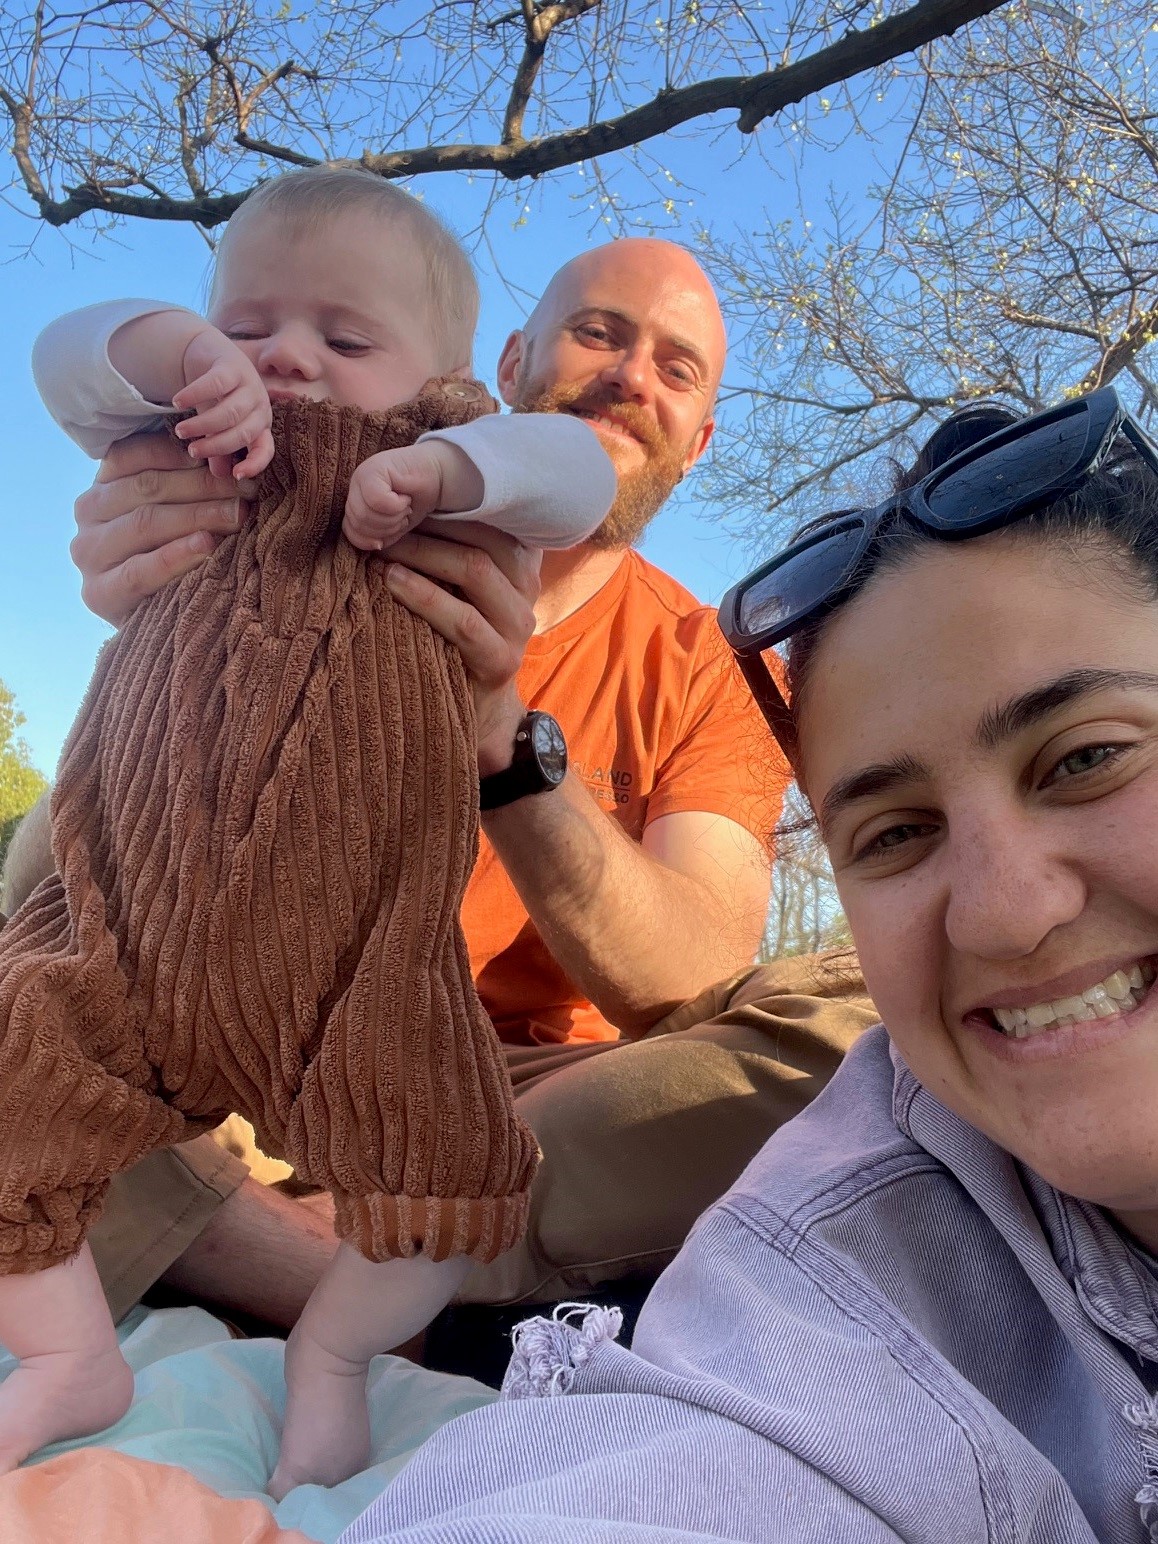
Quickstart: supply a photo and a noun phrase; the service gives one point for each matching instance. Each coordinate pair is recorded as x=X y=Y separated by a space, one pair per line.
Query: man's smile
x=613 y=426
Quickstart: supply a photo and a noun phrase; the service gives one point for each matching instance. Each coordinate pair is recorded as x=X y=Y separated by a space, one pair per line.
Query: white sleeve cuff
x=91 y=401
x=546 y=478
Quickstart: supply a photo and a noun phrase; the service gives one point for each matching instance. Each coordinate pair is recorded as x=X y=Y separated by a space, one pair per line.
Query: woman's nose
x=1008 y=890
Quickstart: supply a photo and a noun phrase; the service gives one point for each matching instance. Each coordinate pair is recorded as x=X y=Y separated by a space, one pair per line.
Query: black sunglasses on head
x=999 y=480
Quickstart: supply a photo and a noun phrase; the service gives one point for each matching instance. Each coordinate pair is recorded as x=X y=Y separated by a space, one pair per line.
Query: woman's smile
x=988 y=777
x=1065 y=1017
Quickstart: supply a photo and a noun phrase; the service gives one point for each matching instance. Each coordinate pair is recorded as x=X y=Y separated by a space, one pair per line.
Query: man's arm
x=637 y=928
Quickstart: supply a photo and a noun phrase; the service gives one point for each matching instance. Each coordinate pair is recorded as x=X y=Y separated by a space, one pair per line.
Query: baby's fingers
x=216 y=385
x=371 y=529
x=245 y=433
x=237 y=412
x=259 y=456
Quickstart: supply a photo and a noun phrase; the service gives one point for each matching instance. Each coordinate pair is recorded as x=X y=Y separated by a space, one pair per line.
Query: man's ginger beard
x=642 y=493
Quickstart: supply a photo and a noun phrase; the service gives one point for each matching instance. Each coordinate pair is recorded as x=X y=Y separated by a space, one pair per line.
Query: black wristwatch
x=539 y=764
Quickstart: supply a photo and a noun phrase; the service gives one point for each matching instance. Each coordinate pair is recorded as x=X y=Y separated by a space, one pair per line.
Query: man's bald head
x=628 y=336
x=665 y=268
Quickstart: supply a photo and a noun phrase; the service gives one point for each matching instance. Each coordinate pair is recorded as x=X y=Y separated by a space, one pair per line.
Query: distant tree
x=20 y=783
x=174 y=109
x=1012 y=252
x=804 y=914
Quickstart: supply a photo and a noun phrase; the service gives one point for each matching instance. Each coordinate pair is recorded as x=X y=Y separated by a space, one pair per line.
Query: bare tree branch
x=124 y=138
x=1012 y=253
x=539 y=23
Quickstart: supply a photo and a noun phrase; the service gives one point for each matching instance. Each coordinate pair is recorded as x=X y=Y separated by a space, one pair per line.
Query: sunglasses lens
x=1012 y=475
x=808 y=577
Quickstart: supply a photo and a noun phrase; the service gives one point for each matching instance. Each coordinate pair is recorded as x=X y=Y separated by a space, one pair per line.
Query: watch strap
x=526 y=774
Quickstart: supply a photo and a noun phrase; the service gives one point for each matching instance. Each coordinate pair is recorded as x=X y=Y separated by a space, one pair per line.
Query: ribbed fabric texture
x=263 y=823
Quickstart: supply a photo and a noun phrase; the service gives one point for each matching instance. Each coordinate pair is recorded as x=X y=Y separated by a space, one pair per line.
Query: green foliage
x=20 y=782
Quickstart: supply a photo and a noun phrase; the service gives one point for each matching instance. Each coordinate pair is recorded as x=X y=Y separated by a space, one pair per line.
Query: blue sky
x=47 y=638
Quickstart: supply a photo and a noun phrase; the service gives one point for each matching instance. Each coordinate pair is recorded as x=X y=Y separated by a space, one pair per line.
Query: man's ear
x=510 y=363
x=699 y=443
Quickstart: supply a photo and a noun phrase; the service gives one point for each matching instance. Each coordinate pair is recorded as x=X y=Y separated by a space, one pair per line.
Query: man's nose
x=287 y=352
x=1008 y=889
x=629 y=374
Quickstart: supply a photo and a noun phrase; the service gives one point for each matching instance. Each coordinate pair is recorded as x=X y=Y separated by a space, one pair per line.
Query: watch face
x=550 y=747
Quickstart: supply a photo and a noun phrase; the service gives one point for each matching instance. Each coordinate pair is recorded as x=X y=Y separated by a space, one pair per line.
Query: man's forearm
x=635 y=936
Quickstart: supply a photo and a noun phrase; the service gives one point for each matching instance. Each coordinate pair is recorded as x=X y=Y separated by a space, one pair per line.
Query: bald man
x=613 y=915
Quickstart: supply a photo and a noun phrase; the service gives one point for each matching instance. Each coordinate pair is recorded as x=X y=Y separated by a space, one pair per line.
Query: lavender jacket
x=887 y=1330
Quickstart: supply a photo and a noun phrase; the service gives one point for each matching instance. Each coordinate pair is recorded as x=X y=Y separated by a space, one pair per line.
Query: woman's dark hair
x=1115 y=509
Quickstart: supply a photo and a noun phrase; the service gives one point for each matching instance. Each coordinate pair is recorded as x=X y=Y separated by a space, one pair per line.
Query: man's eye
x=683 y=375
x=591 y=332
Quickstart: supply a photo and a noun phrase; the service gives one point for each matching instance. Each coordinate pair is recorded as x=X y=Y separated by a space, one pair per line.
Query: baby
x=267 y=811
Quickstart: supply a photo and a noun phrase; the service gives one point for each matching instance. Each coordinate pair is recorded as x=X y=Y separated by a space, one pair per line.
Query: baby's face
x=339 y=314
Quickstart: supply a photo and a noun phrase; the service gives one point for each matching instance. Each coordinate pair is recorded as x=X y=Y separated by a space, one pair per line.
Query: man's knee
x=29 y=858
x=637 y=1142
x=796 y=1017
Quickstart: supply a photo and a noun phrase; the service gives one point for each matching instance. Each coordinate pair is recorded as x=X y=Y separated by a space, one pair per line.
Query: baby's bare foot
x=61 y=1394
x=326 y=1435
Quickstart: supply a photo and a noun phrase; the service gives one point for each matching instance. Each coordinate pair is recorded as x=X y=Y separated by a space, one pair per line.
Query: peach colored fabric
x=98 y=1496
x=263 y=824
x=658 y=722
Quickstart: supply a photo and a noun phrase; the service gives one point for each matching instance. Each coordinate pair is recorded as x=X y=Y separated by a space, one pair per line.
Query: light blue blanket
x=214 y=1406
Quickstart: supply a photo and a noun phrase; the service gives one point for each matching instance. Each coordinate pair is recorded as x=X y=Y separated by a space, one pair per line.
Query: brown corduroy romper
x=263 y=823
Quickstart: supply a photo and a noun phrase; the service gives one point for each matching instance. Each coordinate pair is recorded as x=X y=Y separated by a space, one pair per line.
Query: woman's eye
x=242 y=335
x=1087 y=758
x=887 y=843
x=346 y=346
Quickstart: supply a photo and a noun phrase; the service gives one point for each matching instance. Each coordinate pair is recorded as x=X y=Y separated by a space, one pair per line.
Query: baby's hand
x=230 y=405
x=392 y=491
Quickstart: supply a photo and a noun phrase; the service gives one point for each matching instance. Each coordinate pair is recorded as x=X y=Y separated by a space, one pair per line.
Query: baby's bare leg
x=357 y=1310
x=72 y=1379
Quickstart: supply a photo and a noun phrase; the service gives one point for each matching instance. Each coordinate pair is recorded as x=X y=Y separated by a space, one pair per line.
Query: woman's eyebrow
x=1010 y=718
x=874 y=779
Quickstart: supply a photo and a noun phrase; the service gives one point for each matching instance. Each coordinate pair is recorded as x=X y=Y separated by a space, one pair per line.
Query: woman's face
x=979 y=736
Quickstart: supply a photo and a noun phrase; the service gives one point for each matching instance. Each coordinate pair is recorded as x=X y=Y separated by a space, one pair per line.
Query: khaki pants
x=638 y=1138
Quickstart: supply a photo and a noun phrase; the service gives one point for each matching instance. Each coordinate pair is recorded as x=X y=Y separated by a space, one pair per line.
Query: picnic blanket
x=212 y=1406
x=102 y=1497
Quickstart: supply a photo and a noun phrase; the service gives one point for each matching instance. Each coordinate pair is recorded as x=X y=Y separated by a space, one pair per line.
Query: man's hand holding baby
x=176 y=356
x=393 y=491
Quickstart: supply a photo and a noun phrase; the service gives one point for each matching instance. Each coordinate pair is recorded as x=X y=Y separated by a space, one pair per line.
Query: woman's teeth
x=1119 y=993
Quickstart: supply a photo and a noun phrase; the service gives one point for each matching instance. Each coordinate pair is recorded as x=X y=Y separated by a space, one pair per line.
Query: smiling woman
x=973 y=715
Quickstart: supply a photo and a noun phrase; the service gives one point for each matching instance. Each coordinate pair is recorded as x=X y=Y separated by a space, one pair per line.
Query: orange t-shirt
x=658 y=721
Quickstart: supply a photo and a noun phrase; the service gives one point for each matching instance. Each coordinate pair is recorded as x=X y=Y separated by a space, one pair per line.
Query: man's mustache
x=629 y=415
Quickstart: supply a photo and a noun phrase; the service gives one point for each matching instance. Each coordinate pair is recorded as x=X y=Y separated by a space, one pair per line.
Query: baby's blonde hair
x=318 y=195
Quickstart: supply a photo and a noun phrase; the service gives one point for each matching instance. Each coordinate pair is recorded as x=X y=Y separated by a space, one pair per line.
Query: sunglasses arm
x=771 y=703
